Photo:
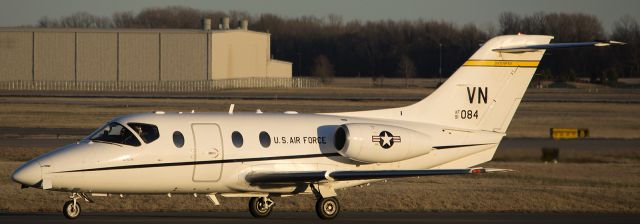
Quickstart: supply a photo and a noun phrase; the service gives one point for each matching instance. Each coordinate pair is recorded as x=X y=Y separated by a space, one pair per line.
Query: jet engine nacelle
x=375 y=143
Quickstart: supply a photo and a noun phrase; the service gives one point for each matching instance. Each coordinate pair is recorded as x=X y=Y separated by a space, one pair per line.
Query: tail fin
x=483 y=94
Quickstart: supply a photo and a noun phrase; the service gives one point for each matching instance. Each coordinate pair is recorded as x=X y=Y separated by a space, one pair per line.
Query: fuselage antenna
x=231 y=108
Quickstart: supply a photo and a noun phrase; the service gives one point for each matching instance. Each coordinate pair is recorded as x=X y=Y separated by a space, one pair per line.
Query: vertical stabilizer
x=483 y=94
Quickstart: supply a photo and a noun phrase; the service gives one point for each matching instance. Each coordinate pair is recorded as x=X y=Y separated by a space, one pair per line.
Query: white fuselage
x=209 y=161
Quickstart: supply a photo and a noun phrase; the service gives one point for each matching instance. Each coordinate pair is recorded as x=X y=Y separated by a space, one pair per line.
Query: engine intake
x=376 y=143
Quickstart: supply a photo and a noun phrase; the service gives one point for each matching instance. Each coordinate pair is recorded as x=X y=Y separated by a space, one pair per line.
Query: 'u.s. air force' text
x=300 y=140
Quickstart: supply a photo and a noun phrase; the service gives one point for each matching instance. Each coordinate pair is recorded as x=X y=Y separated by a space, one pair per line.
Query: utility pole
x=299 y=64
x=440 y=68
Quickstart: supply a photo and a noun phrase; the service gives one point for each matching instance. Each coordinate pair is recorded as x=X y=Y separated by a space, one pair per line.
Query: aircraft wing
x=317 y=176
x=531 y=48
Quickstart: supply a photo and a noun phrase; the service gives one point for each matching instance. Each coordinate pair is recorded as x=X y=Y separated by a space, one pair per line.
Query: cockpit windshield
x=115 y=133
x=147 y=132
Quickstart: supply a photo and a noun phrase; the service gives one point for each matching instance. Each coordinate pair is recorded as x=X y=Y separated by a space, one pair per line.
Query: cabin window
x=237 y=139
x=178 y=139
x=115 y=133
x=147 y=132
x=265 y=139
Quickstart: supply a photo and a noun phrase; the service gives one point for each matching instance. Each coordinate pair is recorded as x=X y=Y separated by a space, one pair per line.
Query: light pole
x=299 y=64
x=440 y=68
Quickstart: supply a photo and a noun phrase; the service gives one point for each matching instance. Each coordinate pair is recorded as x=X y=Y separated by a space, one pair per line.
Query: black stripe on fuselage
x=458 y=146
x=139 y=166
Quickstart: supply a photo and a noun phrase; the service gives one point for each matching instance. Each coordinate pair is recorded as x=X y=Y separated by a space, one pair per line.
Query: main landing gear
x=261 y=207
x=326 y=208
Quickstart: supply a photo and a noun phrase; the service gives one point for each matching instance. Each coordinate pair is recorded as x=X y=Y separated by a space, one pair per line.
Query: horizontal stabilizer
x=317 y=176
x=531 y=48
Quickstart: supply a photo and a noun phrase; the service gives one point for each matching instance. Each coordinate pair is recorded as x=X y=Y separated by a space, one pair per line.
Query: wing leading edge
x=318 y=176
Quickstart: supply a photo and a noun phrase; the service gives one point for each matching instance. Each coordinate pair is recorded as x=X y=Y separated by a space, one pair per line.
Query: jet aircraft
x=265 y=155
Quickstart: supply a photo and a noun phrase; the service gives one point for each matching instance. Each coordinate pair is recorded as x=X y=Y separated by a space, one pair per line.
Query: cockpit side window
x=147 y=132
x=115 y=133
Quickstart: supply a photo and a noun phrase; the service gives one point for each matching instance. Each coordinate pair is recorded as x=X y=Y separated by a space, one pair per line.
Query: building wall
x=239 y=54
x=184 y=56
x=135 y=55
x=279 y=69
x=16 y=49
x=139 y=56
x=97 y=56
x=54 y=56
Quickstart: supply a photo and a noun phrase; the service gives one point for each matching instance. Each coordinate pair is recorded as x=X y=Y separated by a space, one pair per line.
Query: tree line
x=388 y=48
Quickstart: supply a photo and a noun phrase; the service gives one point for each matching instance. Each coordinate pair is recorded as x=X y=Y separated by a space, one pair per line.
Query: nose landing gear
x=71 y=209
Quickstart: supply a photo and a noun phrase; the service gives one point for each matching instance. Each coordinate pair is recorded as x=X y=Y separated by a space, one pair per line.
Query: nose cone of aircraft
x=29 y=173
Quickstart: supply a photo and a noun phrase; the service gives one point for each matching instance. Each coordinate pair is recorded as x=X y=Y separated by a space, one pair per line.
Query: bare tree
x=626 y=29
x=169 y=17
x=510 y=23
x=85 y=20
x=534 y=24
x=76 y=20
x=407 y=69
x=489 y=29
x=124 y=20
x=46 y=22
x=323 y=69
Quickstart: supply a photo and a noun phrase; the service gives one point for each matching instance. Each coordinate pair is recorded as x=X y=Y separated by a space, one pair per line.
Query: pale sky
x=480 y=12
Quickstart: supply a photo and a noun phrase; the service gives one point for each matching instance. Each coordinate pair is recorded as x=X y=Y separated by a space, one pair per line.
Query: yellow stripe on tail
x=501 y=63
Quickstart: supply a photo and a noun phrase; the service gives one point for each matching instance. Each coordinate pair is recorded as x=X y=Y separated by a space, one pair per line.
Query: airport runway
x=310 y=217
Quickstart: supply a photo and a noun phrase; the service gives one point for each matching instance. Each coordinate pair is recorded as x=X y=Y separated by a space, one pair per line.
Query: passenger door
x=208 y=152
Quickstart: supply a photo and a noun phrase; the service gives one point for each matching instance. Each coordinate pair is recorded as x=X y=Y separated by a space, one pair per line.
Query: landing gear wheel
x=260 y=207
x=327 y=208
x=71 y=209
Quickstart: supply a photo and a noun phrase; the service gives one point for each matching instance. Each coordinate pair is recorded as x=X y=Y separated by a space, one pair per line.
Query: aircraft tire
x=71 y=210
x=327 y=208
x=258 y=208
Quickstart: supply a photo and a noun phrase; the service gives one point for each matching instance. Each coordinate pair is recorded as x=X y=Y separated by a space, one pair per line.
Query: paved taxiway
x=629 y=96
x=309 y=217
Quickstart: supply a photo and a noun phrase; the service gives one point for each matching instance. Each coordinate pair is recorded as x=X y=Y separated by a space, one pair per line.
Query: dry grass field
x=533 y=119
x=600 y=179
x=535 y=187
